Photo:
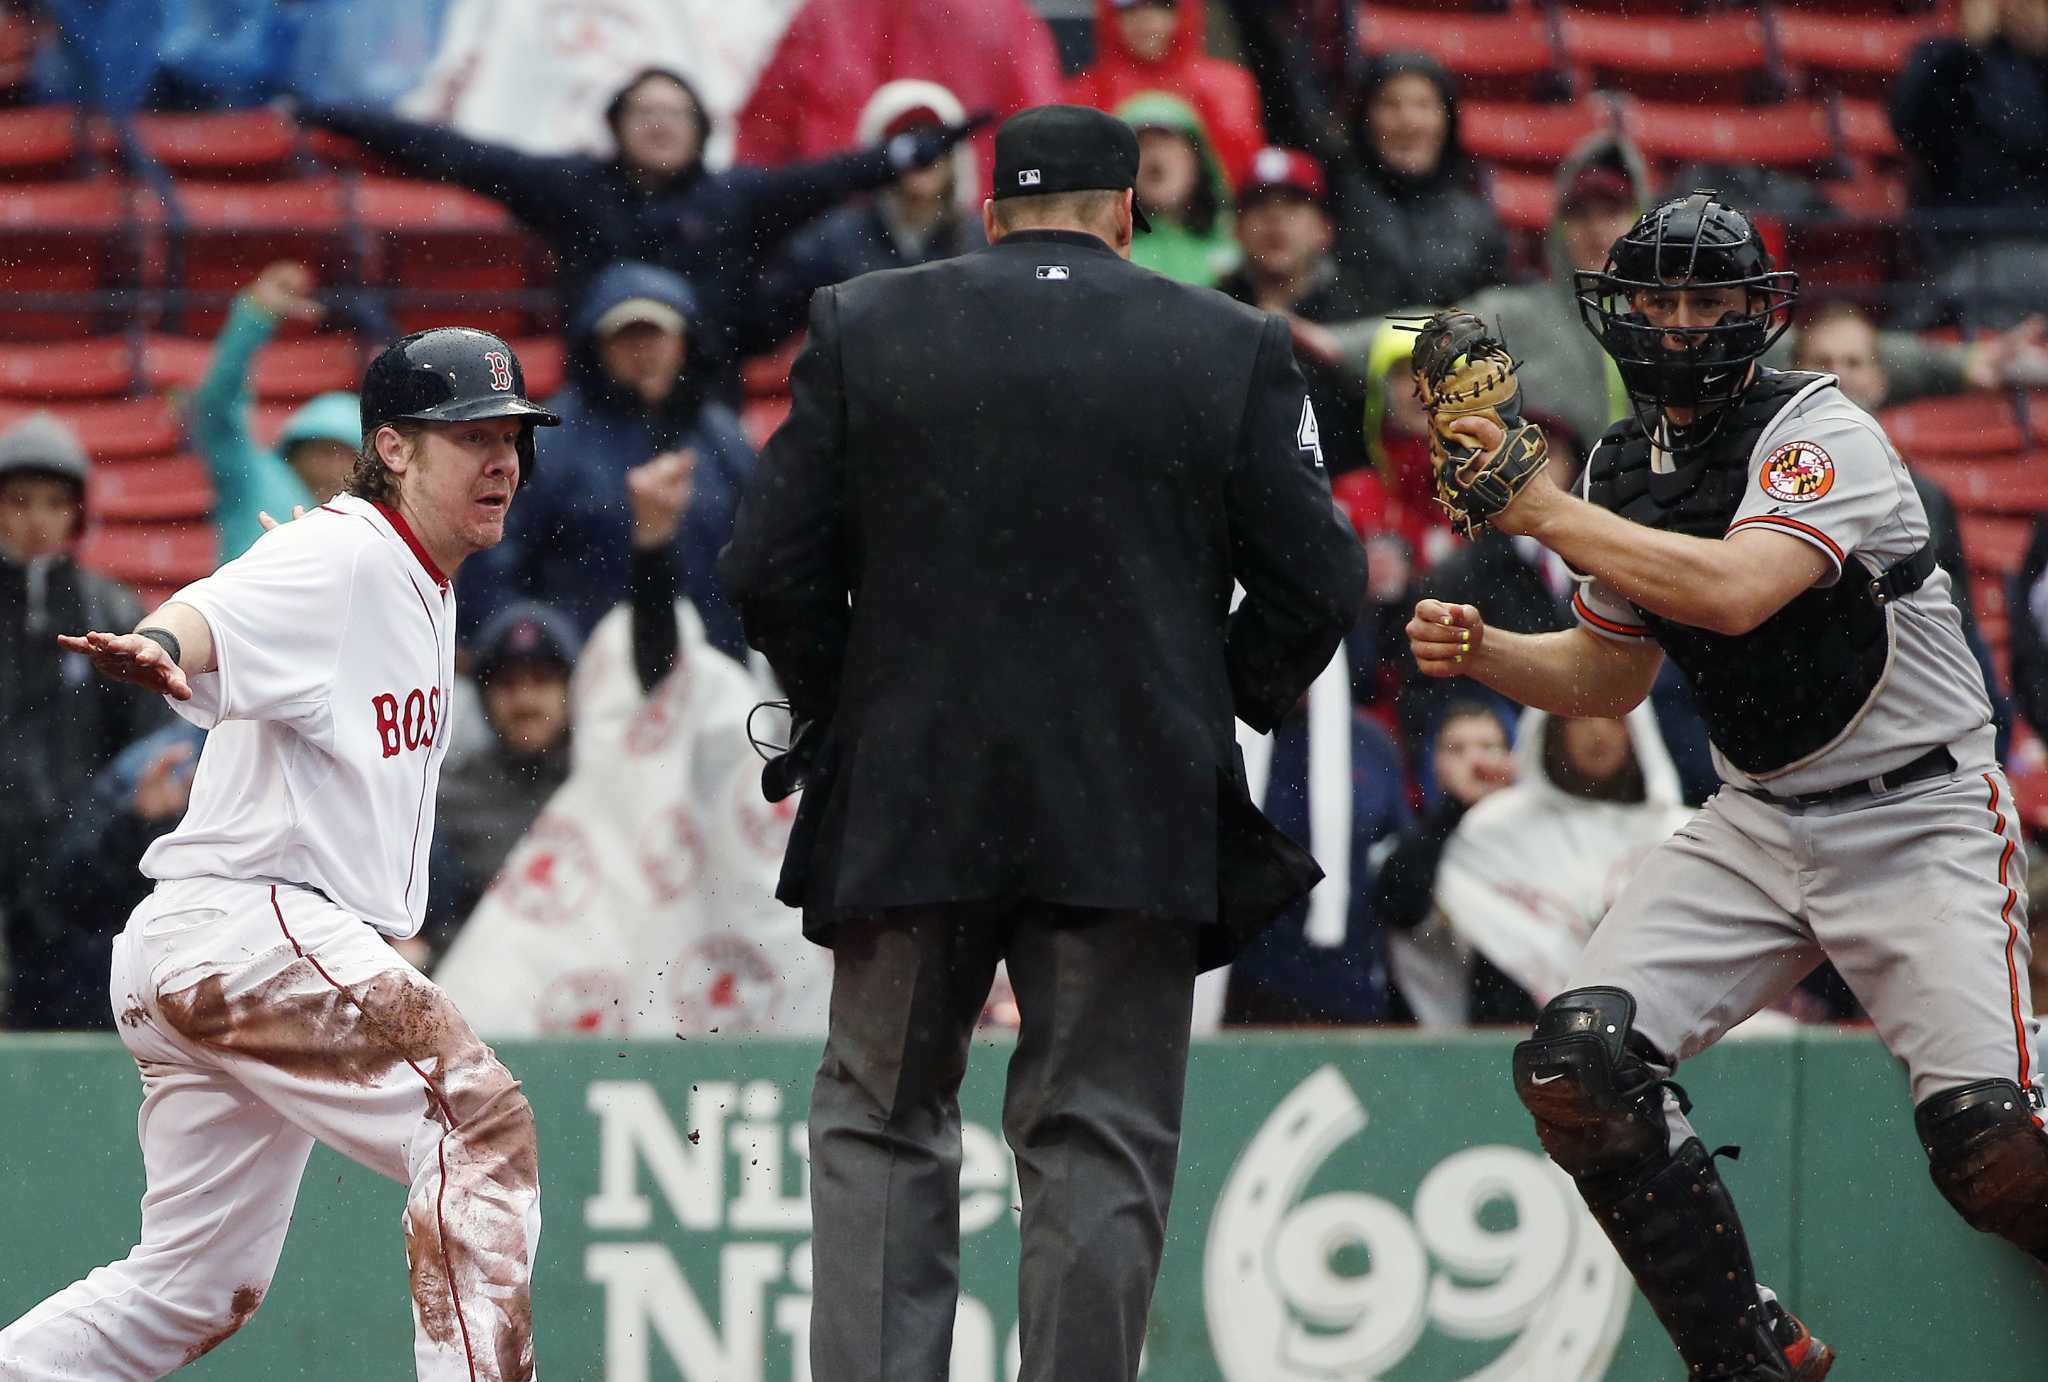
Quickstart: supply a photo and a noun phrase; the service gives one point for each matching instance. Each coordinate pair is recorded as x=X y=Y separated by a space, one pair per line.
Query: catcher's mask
x=1694 y=242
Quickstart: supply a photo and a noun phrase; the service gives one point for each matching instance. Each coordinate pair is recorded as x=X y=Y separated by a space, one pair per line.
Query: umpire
x=990 y=556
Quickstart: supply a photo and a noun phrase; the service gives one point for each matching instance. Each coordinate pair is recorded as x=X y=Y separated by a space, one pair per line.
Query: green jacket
x=249 y=479
x=1172 y=249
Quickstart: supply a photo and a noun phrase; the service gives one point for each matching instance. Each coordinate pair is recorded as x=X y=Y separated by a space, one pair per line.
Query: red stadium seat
x=2014 y=487
x=112 y=430
x=767 y=376
x=1996 y=543
x=1796 y=136
x=64 y=240
x=1529 y=135
x=224 y=233
x=762 y=416
x=151 y=490
x=268 y=419
x=1855 y=56
x=1511 y=53
x=544 y=361
x=289 y=371
x=39 y=142
x=1722 y=58
x=1869 y=196
x=1524 y=201
x=151 y=554
x=2036 y=414
x=1974 y=427
x=238 y=145
x=1867 y=132
x=101 y=367
x=446 y=254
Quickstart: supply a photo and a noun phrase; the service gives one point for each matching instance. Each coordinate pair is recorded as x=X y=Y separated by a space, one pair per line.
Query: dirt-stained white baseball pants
x=263 y=1018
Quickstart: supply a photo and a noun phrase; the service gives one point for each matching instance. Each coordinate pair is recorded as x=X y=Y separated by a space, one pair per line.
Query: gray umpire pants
x=1092 y=1110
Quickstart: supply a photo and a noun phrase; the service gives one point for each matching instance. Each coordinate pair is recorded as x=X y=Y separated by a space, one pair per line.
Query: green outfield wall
x=1350 y=1209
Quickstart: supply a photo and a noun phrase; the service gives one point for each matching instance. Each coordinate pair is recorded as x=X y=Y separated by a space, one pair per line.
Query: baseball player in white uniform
x=1759 y=529
x=256 y=986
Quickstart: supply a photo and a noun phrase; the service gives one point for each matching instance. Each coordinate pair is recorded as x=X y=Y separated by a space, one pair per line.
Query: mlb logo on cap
x=1027 y=177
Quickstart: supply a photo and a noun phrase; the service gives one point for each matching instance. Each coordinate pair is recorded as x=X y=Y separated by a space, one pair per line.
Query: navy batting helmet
x=451 y=374
x=1695 y=241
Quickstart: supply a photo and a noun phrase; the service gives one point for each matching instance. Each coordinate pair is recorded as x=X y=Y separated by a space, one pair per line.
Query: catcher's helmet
x=1696 y=241
x=451 y=374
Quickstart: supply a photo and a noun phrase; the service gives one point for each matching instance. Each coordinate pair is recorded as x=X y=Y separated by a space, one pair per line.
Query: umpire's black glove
x=926 y=145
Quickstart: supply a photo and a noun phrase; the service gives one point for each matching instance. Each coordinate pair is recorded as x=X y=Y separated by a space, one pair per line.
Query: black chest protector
x=1788 y=687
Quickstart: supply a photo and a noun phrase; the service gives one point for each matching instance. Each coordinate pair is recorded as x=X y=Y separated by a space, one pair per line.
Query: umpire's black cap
x=1050 y=149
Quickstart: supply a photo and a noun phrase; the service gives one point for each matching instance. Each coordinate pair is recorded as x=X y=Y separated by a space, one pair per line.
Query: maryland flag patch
x=1798 y=473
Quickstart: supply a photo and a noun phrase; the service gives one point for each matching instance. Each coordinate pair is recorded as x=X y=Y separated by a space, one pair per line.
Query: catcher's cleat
x=1808 y=1357
x=1800 y=1358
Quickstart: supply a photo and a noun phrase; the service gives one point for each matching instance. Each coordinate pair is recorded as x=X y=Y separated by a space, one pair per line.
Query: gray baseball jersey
x=1824 y=472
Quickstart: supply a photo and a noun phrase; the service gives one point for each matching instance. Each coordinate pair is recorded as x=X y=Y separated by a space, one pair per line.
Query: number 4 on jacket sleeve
x=1307 y=435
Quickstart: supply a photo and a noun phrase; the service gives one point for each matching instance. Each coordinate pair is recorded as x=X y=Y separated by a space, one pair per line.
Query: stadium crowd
x=1314 y=158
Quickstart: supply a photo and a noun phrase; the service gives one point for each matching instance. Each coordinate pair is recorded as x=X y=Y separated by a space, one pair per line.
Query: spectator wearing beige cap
x=630 y=399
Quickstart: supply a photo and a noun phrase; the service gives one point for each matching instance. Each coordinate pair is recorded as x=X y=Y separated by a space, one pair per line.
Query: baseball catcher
x=1481 y=450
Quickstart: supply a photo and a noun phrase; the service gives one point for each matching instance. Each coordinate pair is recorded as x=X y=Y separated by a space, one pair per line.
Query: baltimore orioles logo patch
x=1798 y=473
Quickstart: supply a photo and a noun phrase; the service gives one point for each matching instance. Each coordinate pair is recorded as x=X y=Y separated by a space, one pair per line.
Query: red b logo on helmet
x=501 y=369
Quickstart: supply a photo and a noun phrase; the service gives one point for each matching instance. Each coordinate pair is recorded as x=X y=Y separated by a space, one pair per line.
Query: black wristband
x=166 y=640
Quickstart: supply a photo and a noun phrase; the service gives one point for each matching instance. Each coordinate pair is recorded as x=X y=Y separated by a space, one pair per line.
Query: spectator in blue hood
x=654 y=200
x=628 y=399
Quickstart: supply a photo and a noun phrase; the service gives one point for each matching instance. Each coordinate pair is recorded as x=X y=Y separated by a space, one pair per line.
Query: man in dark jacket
x=630 y=397
x=1414 y=227
x=492 y=792
x=1283 y=225
x=1972 y=109
x=653 y=201
x=990 y=557
x=138 y=797
x=60 y=723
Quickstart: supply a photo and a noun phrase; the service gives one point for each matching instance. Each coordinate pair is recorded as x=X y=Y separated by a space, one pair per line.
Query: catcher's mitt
x=1462 y=370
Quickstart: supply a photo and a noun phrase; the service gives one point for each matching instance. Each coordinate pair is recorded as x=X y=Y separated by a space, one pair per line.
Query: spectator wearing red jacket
x=995 y=55
x=1157 y=45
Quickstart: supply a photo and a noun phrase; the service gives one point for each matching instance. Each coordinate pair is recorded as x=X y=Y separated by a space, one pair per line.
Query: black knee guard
x=1591 y=1082
x=1989 y=1158
x=1587 y=1077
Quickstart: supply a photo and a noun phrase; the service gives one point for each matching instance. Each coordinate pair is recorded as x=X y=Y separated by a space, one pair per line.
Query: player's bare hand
x=1445 y=638
x=131 y=658
x=165 y=787
x=1482 y=432
x=285 y=290
x=263 y=517
x=659 y=491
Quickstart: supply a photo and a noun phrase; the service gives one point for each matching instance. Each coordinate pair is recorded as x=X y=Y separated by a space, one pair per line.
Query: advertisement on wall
x=1370 y=1209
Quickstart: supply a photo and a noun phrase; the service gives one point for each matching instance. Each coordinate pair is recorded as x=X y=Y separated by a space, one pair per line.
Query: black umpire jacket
x=994 y=547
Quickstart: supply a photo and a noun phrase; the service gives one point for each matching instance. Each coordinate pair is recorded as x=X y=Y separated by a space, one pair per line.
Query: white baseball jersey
x=329 y=708
x=1824 y=472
